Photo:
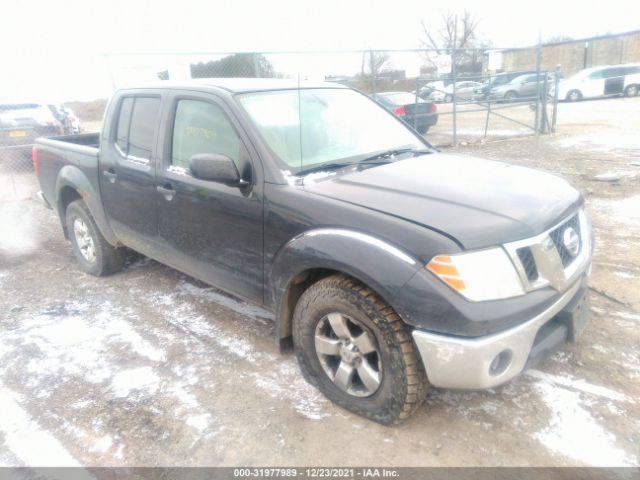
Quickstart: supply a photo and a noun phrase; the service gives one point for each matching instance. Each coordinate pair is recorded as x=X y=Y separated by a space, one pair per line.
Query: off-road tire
x=108 y=259
x=403 y=386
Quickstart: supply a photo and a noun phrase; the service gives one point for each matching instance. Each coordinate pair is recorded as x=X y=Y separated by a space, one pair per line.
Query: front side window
x=314 y=126
x=202 y=127
x=136 y=126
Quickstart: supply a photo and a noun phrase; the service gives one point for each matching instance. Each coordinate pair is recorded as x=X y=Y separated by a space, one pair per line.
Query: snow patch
x=580 y=385
x=574 y=433
x=199 y=422
x=136 y=379
x=19 y=232
x=26 y=439
x=626 y=211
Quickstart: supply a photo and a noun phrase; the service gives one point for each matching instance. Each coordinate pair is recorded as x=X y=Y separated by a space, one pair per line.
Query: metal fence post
x=454 y=72
x=536 y=126
x=556 y=85
x=373 y=72
x=415 y=103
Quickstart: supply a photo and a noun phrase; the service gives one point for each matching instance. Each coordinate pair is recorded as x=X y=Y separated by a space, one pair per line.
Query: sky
x=63 y=49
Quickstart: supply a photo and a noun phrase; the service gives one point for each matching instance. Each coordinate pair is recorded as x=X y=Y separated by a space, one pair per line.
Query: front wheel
x=355 y=349
x=448 y=99
x=94 y=254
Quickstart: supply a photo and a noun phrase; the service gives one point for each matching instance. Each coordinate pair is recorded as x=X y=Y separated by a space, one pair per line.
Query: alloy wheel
x=84 y=240
x=349 y=354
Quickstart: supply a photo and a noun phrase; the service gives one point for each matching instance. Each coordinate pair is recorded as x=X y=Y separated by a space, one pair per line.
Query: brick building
x=576 y=55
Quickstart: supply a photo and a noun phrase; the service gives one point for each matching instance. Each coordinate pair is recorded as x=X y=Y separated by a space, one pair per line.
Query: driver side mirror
x=216 y=167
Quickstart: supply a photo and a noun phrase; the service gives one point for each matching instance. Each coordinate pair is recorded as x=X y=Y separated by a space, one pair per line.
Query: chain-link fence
x=450 y=96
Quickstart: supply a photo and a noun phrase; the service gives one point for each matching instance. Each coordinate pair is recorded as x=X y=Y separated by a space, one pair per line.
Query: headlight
x=481 y=275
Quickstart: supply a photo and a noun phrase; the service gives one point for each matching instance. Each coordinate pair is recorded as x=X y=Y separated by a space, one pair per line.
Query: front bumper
x=488 y=361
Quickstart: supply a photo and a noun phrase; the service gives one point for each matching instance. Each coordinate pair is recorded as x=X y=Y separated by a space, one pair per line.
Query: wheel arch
x=72 y=184
x=317 y=254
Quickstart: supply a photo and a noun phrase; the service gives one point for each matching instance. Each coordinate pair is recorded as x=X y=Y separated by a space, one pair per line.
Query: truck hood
x=477 y=202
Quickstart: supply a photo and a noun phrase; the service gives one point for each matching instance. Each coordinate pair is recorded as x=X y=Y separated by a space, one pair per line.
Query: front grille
x=557 y=238
x=528 y=263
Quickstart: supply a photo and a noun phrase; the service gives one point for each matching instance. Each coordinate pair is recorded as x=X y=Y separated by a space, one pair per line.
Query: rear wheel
x=510 y=96
x=423 y=129
x=574 y=96
x=448 y=98
x=631 y=91
x=94 y=254
x=356 y=350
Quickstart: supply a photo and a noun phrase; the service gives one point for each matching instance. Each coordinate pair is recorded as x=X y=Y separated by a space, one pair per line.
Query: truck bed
x=84 y=139
x=76 y=154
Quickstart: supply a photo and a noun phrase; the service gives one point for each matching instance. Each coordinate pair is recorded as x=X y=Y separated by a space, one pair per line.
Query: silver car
x=465 y=90
x=523 y=87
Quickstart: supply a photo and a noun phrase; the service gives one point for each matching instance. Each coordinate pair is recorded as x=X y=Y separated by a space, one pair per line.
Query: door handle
x=166 y=191
x=110 y=174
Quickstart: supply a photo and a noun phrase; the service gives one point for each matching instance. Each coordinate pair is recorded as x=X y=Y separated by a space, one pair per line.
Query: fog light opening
x=500 y=363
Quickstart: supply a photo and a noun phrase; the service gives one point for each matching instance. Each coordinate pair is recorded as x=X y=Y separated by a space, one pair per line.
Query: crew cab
x=389 y=266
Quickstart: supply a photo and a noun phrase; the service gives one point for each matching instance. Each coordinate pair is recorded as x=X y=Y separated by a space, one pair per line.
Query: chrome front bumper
x=477 y=363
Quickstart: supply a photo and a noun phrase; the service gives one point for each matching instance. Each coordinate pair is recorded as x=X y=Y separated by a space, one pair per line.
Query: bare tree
x=447 y=38
x=373 y=63
x=443 y=38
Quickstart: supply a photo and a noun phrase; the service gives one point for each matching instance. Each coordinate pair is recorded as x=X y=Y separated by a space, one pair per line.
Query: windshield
x=314 y=126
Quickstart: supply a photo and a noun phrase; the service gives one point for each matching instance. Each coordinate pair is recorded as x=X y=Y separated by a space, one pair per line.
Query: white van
x=601 y=81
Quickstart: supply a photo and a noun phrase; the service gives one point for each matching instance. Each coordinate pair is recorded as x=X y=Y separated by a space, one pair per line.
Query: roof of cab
x=241 y=85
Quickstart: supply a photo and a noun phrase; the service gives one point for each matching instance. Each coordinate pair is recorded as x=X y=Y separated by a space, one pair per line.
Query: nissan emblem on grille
x=571 y=241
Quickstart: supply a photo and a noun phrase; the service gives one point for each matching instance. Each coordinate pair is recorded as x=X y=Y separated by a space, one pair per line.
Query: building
x=576 y=55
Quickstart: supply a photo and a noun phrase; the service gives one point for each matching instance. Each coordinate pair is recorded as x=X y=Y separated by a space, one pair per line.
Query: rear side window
x=202 y=127
x=122 y=135
x=136 y=126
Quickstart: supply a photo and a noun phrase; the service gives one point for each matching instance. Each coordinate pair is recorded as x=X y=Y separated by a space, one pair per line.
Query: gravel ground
x=150 y=367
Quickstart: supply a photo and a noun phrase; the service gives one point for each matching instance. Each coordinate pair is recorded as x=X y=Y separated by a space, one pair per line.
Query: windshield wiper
x=380 y=158
x=394 y=153
x=324 y=166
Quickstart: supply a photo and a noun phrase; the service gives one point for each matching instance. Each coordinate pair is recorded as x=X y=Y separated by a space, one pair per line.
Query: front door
x=210 y=230
x=127 y=172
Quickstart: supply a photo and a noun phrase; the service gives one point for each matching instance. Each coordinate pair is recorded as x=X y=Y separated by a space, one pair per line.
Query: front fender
x=71 y=176
x=379 y=264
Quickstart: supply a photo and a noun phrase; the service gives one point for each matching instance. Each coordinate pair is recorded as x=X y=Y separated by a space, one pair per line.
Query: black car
x=22 y=123
x=389 y=266
x=421 y=114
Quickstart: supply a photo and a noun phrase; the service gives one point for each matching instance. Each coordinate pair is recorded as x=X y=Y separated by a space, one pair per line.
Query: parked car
x=389 y=265
x=523 y=87
x=600 y=82
x=430 y=87
x=465 y=90
x=482 y=92
x=21 y=123
x=422 y=114
x=69 y=121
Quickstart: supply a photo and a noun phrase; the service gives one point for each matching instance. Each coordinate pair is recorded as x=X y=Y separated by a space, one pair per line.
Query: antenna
x=300 y=122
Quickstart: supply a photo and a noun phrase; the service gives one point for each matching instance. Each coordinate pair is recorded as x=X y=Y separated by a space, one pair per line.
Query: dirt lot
x=150 y=367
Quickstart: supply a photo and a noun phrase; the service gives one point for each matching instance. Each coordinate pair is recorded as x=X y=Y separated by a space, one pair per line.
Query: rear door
x=210 y=230
x=127 y=171
x=613 y=81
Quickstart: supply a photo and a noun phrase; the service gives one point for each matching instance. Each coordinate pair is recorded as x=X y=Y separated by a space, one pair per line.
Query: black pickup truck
x=389 y=265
